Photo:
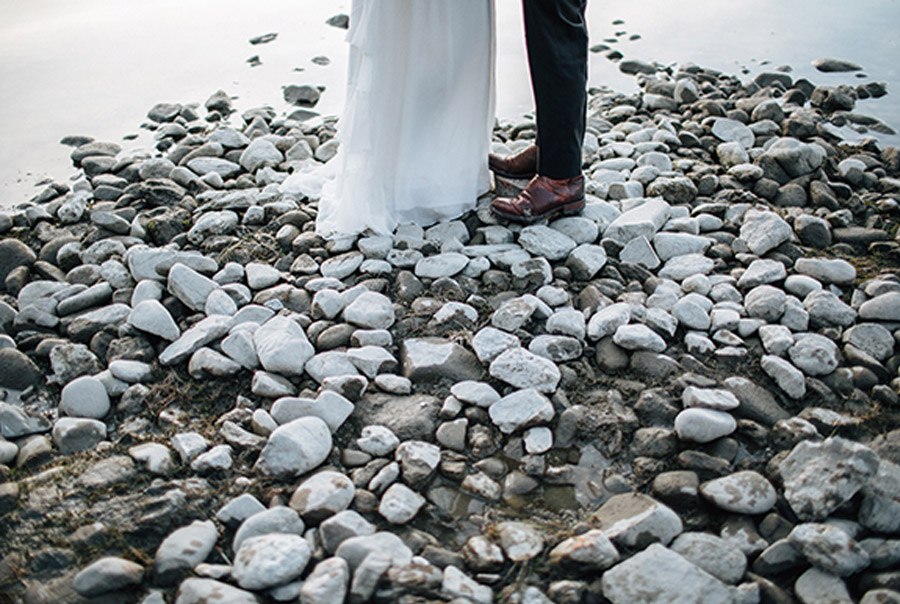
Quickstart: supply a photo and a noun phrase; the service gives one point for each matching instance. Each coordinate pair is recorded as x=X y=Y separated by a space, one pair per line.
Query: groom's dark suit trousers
x=557 y=40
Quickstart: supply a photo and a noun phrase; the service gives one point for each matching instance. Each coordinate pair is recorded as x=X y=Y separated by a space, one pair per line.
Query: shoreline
x=214 y=399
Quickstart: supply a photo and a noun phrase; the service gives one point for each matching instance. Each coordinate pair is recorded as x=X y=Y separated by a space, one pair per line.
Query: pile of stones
x=687 y=393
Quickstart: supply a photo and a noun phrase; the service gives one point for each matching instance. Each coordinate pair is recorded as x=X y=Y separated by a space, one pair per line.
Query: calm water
x=95 y=66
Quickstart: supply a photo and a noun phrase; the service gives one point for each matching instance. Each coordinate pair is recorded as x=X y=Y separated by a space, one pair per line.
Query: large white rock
x=646 y=219
x=152 y=317
x=660 y=575
x=282 y=346
x=764 y=231
x=84 y=397
x=204 y=591
x=820 y=477
x=185 y=548
x=370 y=310
x=704 y=425
x=634 y=521
x=295 y=448
x=190 y=287
x=524 y=369
x=545 y=242
x=270 y=560
x=744 y=492
x=521 y=409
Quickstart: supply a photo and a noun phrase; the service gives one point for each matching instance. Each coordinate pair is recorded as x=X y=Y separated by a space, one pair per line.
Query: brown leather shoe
x=522 y=165
x=542 y=198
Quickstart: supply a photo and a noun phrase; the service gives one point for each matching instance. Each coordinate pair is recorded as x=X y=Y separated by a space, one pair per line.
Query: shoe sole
x=504 y=174
x=568 y=209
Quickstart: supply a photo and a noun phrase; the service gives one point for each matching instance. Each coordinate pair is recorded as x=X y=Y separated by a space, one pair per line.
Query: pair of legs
x=557 y=41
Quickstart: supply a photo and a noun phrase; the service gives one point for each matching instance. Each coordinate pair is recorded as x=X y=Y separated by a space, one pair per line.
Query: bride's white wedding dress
x=416 y=126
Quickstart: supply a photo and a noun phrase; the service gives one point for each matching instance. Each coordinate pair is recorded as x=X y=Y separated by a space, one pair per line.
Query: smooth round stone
x=885 y=307
x=475 y=393
x=151 y=316
x=205 y=591
x=442 y=265
x=17 y=371
x=323 y=495
x=184 y=549
x=709 y=398
x=814 y=354
x=765 y=302
x=742 y=493
x=85 y=397
x=801 y=285
x=370 y=310
x=106 y=575
x=270 y=560
x=295 y=448
x=703 y=425
x=826 y=270
x=871 y=338
x=729 y=130
x=639 y=337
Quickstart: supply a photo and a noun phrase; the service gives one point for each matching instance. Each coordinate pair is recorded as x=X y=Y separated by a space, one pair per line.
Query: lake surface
x=95 y=67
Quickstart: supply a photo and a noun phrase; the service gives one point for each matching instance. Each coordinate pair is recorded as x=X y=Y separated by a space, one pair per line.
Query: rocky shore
x=689 y=393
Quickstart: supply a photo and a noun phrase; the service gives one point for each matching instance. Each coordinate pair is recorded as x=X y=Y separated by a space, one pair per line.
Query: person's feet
x=521 y=165
x=542 y=198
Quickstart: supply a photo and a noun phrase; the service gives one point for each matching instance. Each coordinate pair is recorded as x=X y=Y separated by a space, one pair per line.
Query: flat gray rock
x=524 y=369
x=634 y=521
x=829 y=548
x=199 y=335
x=819 y=477
x=370 y=310
x=646 y=219
x=74 y=434
x=715 y=555
x=814 y=354
x=433 y=359
x=658 y=574
x=591 y=550
x=441 y=265
x=546 y=242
